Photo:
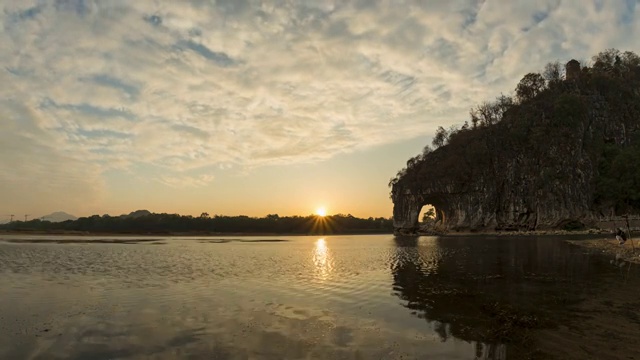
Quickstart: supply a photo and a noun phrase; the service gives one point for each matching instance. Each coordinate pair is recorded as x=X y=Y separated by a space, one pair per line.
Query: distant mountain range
x=59 y=216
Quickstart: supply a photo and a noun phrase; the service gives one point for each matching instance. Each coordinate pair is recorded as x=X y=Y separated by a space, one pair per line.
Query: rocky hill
x=59 y=216
x=561 y=153
x=136 y=214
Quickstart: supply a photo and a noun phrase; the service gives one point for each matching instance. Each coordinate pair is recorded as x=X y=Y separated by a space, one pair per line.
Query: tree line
x=218 y=224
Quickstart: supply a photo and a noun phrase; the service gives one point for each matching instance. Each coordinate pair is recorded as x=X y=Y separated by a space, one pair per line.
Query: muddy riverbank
x=629 y=251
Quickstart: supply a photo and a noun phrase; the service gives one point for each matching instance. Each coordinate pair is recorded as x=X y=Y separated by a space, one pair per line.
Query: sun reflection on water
x=322 y=259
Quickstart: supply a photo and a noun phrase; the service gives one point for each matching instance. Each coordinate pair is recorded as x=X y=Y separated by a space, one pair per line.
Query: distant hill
x=59 y=216
x=136 y=214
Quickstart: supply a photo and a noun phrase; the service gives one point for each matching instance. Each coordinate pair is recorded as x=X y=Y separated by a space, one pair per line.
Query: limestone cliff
x=543 y=163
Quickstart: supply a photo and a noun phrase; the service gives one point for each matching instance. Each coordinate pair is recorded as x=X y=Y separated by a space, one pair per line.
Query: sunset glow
x=321 y=212
x=194 y=106
x=322 y=259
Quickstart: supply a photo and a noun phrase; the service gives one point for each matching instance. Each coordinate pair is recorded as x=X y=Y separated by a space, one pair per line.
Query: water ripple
x=306 y=297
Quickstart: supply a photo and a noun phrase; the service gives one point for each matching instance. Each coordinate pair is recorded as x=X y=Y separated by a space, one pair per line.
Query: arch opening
x=431 y=218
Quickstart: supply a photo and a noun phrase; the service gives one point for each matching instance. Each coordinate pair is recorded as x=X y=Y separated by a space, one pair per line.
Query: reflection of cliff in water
x=490 y=291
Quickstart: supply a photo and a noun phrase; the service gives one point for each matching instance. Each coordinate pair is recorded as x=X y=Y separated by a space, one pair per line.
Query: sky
x=258 y=107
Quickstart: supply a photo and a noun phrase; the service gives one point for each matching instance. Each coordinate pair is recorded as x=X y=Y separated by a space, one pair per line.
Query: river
x=334 y=297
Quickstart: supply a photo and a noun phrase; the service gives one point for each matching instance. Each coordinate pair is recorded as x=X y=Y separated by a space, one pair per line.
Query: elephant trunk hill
x=562 y=153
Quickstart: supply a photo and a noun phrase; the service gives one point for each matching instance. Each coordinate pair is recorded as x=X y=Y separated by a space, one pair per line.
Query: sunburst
x=321 y=223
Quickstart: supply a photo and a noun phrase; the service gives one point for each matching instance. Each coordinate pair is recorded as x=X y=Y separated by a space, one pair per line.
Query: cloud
x=200 y=84
x=218 y=58
x=185 y=181
x=131 y=90
x=33 y=169
x=154 y=20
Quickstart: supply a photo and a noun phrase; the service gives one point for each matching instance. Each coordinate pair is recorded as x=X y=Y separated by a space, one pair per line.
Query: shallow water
x=336 y=297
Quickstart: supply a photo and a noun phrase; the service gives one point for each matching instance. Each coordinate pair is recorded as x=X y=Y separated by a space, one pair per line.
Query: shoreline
x=586 y=232
x=593 y=232
x=177 y=234
x=629 y=252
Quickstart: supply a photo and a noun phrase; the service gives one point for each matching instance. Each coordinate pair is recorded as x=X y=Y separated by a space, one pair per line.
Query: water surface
x=337 y=297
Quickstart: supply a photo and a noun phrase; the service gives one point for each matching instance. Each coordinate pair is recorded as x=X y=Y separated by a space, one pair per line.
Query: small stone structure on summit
x=572 y=69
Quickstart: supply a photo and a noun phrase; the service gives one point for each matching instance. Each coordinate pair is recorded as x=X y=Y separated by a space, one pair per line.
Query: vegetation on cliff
x=570 y=141
x=143 y=222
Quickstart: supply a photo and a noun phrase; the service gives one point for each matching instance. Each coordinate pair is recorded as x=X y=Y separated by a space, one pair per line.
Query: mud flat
x=629 y=252
x=130 y=241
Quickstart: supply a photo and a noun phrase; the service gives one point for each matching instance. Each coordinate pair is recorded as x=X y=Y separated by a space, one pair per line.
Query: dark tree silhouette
x=530 y=86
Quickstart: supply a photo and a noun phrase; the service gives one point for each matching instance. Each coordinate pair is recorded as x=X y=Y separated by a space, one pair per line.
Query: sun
x=321 y=212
